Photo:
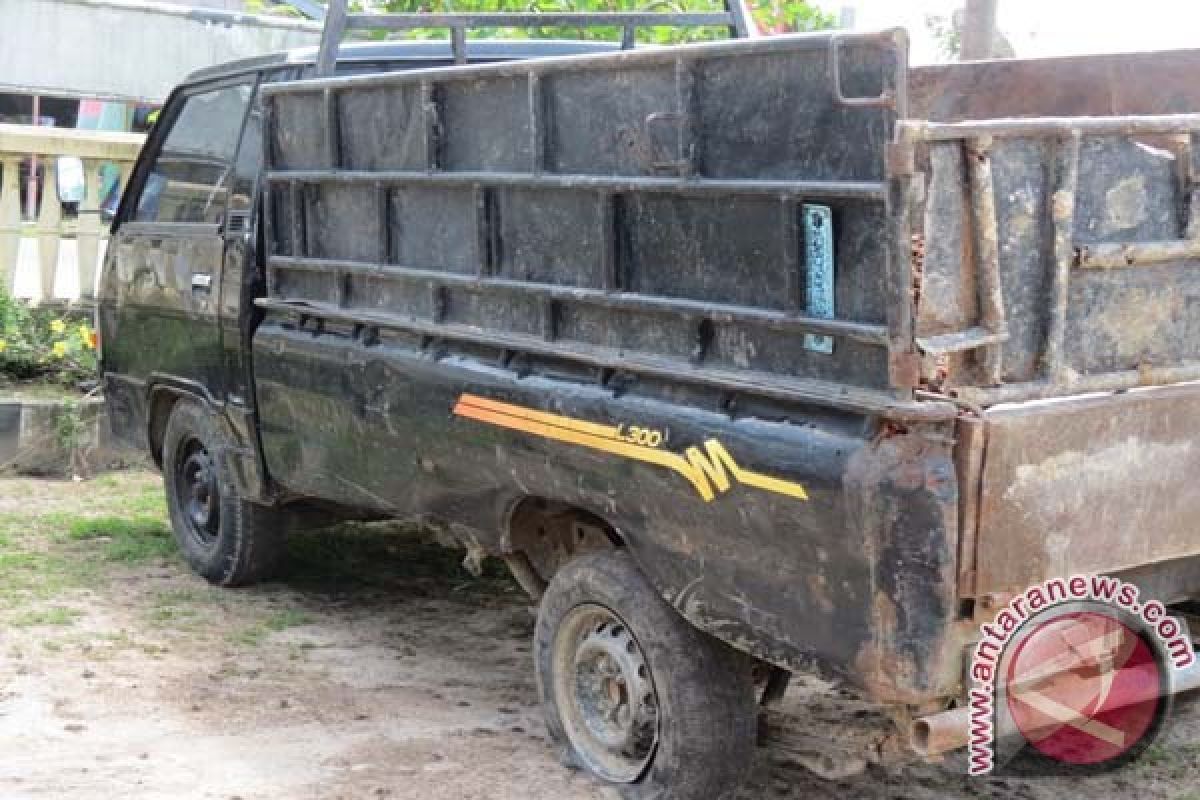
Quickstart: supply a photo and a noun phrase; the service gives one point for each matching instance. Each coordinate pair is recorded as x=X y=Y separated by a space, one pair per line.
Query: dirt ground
x=375 y=668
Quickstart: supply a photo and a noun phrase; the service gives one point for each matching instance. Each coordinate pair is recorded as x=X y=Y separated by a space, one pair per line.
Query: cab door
x=242 y=277
x=159 y=297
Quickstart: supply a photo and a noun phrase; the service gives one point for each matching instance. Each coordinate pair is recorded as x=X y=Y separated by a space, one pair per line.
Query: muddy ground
x=375 y=668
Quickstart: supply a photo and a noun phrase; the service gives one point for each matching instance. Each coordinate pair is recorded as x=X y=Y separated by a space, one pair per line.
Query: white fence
x=51 y=256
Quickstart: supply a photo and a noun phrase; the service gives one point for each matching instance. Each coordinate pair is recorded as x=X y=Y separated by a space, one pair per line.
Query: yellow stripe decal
x=708 y=470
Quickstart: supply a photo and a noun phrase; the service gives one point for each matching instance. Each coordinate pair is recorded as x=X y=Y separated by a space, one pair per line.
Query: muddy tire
x=225 y=539
x=636 y=695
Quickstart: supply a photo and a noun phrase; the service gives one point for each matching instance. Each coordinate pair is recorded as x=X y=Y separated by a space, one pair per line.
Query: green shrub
x=44 y=345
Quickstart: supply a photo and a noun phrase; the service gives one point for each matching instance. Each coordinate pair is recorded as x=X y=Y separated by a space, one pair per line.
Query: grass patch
x=254 y=635
x=288 y=618
x=33 y=575
x=56 y=615
x=167 y=615
x=148 y=501
x=251 y=636
x=45 y=552
x=130 y=540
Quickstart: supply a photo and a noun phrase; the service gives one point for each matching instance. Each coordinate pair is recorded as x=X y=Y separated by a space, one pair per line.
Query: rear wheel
x=635 y=694
x=224 y=538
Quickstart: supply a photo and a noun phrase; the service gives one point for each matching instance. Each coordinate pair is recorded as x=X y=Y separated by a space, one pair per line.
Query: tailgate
x=1088 y=485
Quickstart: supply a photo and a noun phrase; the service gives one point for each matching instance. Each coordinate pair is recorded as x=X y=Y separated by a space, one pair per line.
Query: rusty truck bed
x=540 y=248
x=1059 y=296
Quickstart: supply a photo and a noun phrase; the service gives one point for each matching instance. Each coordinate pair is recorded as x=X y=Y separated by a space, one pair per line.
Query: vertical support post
x=486 y=233
x=266 y=201
x=744 y=25
x=49 y=229
x=458 y=43
x=31 y=196
x=904 y=364
x=1189 y=190
x=296 y=234
x=987 y=252
x=1062 y=214
x=88 y=236
x=685 y=100
x=549 y=318
x=429 y=111
x=794 y=266
x=537 y=125
x=331 y=38
x=10 y=220
x=333 y=138
x=383 y=202
x=611 y=236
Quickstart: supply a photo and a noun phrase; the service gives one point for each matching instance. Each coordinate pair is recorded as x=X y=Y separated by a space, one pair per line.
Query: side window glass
x=249 y=162
x=190 y=178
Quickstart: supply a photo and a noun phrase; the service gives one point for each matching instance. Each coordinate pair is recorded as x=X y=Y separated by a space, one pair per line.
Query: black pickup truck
x=742 y=354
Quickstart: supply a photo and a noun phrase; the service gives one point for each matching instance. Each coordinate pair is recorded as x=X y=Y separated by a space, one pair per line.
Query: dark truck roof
x=415 y=50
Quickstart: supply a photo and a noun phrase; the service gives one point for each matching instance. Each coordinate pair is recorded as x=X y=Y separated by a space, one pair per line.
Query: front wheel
x=634 y=693
x=227 y=540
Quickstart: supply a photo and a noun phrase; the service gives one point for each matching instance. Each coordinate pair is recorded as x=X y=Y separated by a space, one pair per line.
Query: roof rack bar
x=534 y=19
x=338 y=21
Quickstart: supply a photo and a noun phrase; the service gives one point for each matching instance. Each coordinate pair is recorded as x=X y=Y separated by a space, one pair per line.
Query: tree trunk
x=979 y=30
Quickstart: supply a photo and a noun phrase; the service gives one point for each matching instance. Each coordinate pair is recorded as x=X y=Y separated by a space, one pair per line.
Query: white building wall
x=128 y=48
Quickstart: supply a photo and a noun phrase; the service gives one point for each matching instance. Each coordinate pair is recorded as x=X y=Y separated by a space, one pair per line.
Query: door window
x=190 y=179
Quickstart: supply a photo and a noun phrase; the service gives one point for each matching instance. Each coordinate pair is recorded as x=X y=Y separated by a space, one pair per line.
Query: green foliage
x=773 y=16
x=126 y=539
x=70 y=428
x=273 y=8
x=790 y=16
x=42 y=344
x=55 y=615
x=946 y=34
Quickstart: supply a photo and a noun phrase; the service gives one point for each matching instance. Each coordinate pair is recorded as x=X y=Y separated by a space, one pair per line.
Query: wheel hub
x=196 y=482
x=610 y=706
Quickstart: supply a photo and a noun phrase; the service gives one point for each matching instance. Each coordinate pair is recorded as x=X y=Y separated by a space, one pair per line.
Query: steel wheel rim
x=198 y=493
x=606 y=696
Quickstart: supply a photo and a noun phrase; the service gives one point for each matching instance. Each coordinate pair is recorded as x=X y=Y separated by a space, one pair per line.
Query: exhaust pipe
x=939 y=733
x=931 y=736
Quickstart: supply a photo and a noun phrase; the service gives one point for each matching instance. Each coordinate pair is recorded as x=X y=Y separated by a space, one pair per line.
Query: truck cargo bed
x=759 y=236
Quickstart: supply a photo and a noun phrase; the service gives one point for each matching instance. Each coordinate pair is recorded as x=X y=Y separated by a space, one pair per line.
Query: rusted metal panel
x=1091 y=484
x=1085 y=258
x=1128 y=83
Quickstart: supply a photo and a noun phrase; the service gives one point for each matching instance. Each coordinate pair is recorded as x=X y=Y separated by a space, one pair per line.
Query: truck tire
x=225 y=539
x=636 y=695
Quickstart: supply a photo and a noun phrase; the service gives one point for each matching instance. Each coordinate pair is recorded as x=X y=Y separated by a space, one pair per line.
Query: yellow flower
x=58 y=326
x=59 y=349
x=85 y=332
x=3 y=345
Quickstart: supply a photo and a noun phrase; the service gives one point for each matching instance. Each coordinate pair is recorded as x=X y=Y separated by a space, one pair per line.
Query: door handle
x=201 y=281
